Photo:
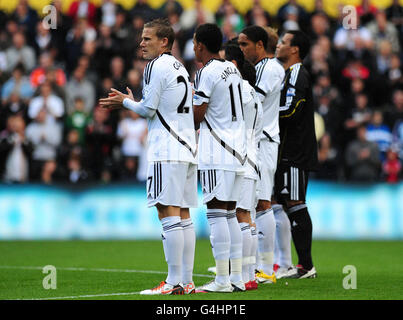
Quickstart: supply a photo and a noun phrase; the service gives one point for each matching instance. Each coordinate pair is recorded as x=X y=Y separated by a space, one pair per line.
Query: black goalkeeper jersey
x=298 y=146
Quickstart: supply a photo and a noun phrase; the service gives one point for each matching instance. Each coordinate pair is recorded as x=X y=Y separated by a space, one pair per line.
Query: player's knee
x=242 y=215
x=263 y=205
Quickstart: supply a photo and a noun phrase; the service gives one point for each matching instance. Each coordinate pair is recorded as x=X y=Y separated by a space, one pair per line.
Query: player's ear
x=165 y=42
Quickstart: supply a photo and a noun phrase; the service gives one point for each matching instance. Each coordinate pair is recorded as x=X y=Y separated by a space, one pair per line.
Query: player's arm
x=201 y=98
x=199 y=112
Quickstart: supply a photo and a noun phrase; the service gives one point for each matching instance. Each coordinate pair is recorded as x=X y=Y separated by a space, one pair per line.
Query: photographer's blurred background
x=70 y=169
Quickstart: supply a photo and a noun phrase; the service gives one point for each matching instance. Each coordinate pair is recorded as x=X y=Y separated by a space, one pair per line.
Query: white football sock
x=246 y=250
x=220 y=240
x=188 y=250
x=266 y=229
x=253 y=266
x=283 y=237
x=236 y=247
x=173 y=242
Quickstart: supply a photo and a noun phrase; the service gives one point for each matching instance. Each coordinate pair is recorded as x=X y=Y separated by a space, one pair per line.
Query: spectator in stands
x=355 y=41
x=397 y=137
x=80 y=86
x=395 y=73
x=48 y=172
x=100 y=141
x=366 y=11
x=78 y=119
x=394 y=14
x=392 y=166
x=117 y=72
x=71 y=146
x=83 y=9
x=142 y=9
x=63 y=25
x=47 y=66
x=320 y=26
x=381 y=29
x=380 y=133
x=106 y=49
x=76 y=174
x=51 y=104
x=107 y=12
x=132 y=132
x=15 y=151
x=292 y=7
x=134 y=83
x=329 y=159
x=362 y=158
x=227 y=14
x=170 y=6
x=26 y=18
x=20 y=52
x=257 y=15
x=395 y=111
x=44 y=41
x=18 y=84
x=14 y=106
x=45 y=136
x=74 y=46
x=194 y=16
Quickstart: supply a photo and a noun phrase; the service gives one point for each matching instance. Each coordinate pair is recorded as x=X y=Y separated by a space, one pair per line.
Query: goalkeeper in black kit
x=298 y=146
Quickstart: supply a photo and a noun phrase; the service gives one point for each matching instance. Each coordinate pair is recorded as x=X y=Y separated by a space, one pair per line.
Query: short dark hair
x=163 y=30
x=247 y=70
x=300 y=40
x=210 y=35
x=256 y=34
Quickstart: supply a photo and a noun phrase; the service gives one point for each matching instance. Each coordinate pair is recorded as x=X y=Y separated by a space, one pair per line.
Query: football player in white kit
x=269 y=75
x=253 y=114
x=217 y=105
x=171 y=143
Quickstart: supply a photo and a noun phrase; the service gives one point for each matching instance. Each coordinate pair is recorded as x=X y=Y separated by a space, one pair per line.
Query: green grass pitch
x=120 y=269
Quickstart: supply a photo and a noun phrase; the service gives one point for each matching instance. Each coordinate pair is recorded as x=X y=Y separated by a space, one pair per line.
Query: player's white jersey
x=269 y=76
x=171 y=131
x=222 y=135
x=253 y=111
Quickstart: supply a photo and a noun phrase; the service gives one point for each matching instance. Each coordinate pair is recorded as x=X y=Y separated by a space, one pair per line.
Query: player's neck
x=262 y=56
x=209 y=57
x=290 y=63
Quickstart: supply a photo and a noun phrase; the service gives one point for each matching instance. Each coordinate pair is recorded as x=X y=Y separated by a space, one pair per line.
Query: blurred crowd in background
x=52 y=130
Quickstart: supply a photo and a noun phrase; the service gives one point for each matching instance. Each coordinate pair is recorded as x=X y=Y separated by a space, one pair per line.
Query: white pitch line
x=100 y=270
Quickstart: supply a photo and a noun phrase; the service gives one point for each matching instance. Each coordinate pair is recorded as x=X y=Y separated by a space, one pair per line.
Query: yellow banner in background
x=330 y=6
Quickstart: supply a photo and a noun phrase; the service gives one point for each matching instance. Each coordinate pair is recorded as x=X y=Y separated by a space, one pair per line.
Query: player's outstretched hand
x=115 y=99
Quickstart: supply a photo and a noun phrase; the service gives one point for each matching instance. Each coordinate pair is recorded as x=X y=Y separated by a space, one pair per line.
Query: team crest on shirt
x=290 y=92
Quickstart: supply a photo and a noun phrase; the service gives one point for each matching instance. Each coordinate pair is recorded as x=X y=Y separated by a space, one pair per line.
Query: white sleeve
x=269 y=82
x=203 y=90
x=139 y=107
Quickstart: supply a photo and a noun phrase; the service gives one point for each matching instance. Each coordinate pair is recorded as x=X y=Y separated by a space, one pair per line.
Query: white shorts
x=172 y=184
x=223 y=185
x=247 y=198
x=268 y=164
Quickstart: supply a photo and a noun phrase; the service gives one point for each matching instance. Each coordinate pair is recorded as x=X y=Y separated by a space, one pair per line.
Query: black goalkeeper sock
x=301 y=230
